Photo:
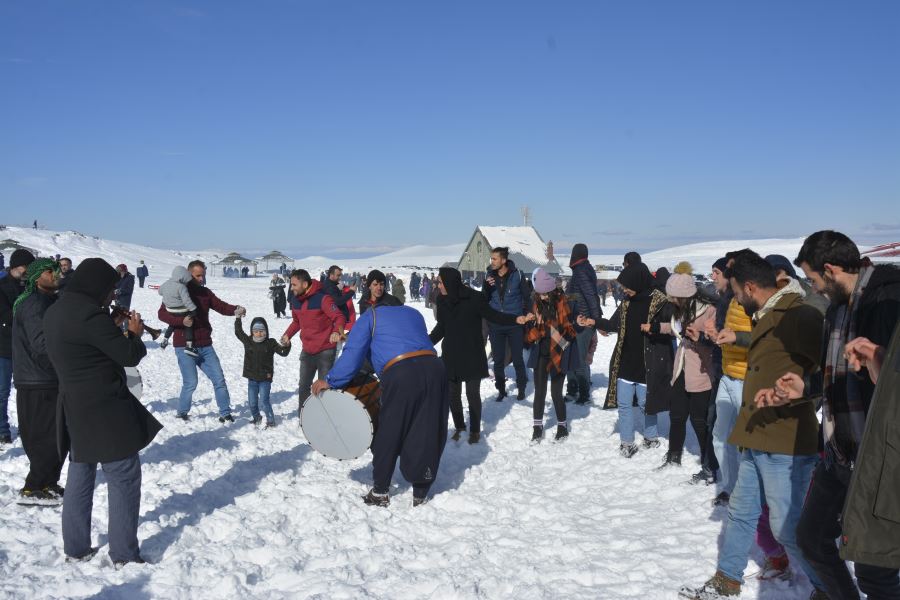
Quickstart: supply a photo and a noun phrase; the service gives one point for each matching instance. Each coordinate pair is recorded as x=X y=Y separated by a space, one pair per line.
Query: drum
x=134 y=382
x=342 y=423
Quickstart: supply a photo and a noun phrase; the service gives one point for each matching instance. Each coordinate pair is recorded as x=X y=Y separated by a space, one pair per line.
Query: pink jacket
x=695 y=359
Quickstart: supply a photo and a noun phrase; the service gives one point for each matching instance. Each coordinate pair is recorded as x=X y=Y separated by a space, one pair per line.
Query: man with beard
x=375 y=294
x=65 y=273
x=865 y=302
x=507 y=291
x=332 y=287
x=37 y=385
x=779 y=442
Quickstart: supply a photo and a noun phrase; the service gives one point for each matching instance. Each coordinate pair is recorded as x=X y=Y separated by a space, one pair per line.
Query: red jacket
x=205 y=300
x=316 y=317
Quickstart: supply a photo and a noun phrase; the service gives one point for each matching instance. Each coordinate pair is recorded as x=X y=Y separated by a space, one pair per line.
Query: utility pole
x=526 y=215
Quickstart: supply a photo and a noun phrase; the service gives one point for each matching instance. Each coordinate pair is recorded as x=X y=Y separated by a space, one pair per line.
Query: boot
x=719 y=586
x=457 y=434
x=628 y=450
x=650 y=443
x=562 y=432
x=673 y=459
x=537 y=435
x=474 y=437
x=373 y=499
x=776 y=567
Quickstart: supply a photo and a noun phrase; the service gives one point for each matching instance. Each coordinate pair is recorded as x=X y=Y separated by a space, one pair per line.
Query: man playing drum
x=412 y=423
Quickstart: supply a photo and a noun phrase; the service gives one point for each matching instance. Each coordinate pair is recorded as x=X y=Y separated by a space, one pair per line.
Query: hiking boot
x=373 y=499
x=84 y=557
x=776 y=567
x=255 y=420
x=673 y=459
x=457 y=434
x=474 y=437
x=226 y=419
x=182 y=416
x=537 y=434
x=650 y=443
x=704 y=476
x=719 y=586
x=121 y=563
x=628 y=450
x=38 y=498
x=6 y=439
x=722 y=499
x=419 y=501
x=562 y=432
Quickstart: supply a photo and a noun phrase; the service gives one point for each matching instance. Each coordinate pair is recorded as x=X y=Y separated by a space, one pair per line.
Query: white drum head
x=134 y=382
x=337 y=424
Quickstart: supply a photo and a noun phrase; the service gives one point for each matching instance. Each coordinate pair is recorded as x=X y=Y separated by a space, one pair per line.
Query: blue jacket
x=508 y=294
x=143 y=271
x=582 y=289
x=398 y=330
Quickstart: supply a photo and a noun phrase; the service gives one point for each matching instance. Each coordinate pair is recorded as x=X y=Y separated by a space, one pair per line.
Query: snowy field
x=237 y=512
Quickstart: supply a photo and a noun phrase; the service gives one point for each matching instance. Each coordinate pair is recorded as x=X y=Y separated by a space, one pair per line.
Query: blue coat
x=582 y=289
x=508 y=294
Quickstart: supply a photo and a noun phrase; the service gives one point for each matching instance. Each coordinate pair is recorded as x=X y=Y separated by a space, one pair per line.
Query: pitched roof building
x=526 y=249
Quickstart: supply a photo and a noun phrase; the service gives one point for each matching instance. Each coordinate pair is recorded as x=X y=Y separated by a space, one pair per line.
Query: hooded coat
x=104 y=421
x=10 y=288
x=652 y=352
x=459 y=316
x=205 y=300
x=259 y=357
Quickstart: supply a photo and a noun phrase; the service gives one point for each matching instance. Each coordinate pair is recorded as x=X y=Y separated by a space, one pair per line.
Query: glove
x=240 y=311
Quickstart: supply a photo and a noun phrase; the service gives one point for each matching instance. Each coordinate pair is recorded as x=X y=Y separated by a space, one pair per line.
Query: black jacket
x=340 y=298
x=259 y=363
x=104 y=421
x=582 y=289
x=459 y=325
x=124 y=290
x=31 y=364
x=9 y=290
x=871 y=517
x=385 y=300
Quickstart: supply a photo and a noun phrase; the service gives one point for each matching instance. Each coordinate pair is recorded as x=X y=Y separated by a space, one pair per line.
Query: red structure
x=884 y=250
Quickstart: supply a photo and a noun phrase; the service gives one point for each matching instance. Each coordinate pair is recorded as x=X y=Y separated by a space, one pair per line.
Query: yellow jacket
x=734 y=358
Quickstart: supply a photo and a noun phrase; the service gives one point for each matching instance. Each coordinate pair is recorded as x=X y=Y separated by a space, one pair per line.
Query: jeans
x=501 y=335
x=728 y=404
x=123 y=482
x=820 y=525
x=6 y=372
x=579 y=379
x=779 y=480
x=310 y=364
x=208 y=362
x=625 y=392
x=258 y=397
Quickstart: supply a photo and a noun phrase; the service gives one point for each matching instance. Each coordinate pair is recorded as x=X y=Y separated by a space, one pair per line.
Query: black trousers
x=708 y=455
x=412 y=423
x=514 y=335
x=540 y=390
x=473 y=395
x=37 y=428
x=817 y=530
x=686 y=405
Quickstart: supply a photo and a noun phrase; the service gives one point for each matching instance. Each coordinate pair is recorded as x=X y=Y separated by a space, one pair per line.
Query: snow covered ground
x=236 y=512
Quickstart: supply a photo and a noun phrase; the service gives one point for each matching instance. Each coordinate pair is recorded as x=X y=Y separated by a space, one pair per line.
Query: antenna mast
x=526 y=215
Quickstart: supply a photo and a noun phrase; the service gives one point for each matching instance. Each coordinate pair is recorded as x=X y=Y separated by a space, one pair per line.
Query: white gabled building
x=526 y=249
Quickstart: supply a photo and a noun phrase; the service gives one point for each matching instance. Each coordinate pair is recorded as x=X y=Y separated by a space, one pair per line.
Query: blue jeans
x=6 y=372
x=579 y=379
x=258 y=396
x=781 y=481
x=728 y=404
x=625 y=392
x=208 y=362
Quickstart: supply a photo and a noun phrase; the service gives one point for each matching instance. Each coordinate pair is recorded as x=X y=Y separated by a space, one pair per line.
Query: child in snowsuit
x=178 y=301
x=553 y=354
x=259 y=366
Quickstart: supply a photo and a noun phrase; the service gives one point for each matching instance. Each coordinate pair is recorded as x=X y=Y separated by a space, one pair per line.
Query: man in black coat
x=103 y=421
x=331 y=285
x=459 y=313
x=124 y=287
x=142 y=273
x=11 y=287
x=37 y=385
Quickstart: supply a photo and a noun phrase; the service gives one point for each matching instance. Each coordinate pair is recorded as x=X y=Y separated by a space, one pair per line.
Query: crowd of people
x=747 y=360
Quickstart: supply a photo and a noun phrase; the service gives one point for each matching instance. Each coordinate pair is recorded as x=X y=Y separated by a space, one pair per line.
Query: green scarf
x=32 y=274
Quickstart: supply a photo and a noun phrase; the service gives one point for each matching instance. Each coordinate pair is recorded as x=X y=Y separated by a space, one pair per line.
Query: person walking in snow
x=554 y=353
x=259 y=366
x=142 y=273
x=276 y=293
x=124 y=287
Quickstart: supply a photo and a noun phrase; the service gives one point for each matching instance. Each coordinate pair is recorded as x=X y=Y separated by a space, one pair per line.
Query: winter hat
x=579 y=252
x=636 y=277
x=452 y=280
x=35 y=269
x=543 y=282
x=258 y=327
x=681 y=285
x=781 y=263
x=20 y=258
x=375 y=275
x=122 y=267
x=95 y=278
x=684 y=268
x=721 y=264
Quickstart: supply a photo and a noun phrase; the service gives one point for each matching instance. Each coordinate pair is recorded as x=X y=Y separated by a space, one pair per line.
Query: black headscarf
x=662 y=276
x=636 y=277
x=579 y=252
x=452 y=283
x=95 y=278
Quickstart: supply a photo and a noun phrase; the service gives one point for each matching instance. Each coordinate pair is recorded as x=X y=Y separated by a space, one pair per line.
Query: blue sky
x=325 y=126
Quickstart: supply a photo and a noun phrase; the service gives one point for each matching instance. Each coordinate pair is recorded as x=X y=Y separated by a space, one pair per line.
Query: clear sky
x=321 y=125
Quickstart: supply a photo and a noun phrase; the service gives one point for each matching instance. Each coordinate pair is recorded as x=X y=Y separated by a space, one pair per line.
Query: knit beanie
x=20 y=258
x=95 y=278
x=35 y=269
x=684 y=268
x=543 y=282
x=681 y=285
x=579 y=252
x=375 y=275
x=721 y=264
x=781 y=263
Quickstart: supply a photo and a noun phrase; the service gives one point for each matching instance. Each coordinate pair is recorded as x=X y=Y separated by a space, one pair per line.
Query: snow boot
x=419 y=501
x=537 y=434
x=719 y=586
x=650 y=443
x=562 y=432
x=457 y=434
x=38 y=498
x=776 y=567
x=373 y=499
x=474 y=437
x=628 y=450
x=673 y=459
x=226 y=419
x=255 y=420
x=703 y=476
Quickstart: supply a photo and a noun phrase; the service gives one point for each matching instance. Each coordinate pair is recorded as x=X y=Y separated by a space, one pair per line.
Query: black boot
x=537 y=435
x=562 y=432
x=673 y=459
x=373 y=499
x=457 y=434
